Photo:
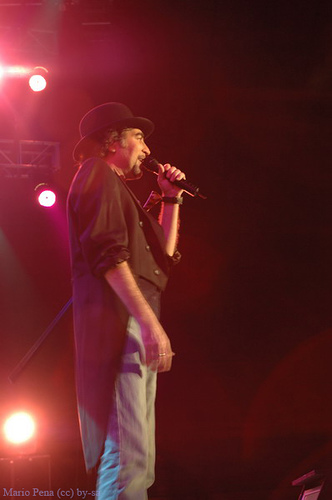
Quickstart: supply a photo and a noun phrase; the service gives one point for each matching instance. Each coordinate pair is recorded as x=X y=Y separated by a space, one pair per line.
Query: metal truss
x=26 y=158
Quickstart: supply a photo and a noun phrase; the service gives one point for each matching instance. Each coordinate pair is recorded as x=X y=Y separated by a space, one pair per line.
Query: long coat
x=107 y=225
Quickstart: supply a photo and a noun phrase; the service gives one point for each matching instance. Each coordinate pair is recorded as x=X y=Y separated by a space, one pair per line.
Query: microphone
x=151 y=164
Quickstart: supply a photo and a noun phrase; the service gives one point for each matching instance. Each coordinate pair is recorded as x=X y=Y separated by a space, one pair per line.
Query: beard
x=135 y=172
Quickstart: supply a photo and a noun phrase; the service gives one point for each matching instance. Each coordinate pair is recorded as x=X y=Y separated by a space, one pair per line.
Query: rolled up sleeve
x=100 y=221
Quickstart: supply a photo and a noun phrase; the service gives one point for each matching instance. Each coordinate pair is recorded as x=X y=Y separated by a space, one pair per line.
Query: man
x=120 y=259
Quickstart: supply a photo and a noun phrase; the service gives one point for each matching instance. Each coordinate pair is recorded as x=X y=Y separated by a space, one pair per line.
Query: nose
x=146 y=150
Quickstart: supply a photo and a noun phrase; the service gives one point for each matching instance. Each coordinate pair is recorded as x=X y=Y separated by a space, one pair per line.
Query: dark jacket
x=107 y=225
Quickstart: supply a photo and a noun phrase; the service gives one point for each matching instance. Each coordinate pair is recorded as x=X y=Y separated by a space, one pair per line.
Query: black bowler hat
x=112 y=115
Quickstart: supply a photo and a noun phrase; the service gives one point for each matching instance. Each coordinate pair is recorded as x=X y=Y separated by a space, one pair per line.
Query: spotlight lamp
x=38 y=79
x=19 y=428
x=46 y=197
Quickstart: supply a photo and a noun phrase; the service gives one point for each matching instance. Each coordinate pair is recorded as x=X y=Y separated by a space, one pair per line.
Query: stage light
x=37 y=80
x=19 y=428
x=46 y=197
x=37 y=83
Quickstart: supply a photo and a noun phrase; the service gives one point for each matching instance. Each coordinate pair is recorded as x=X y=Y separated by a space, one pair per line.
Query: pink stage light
x=47 y=198
x=37 y=76
x=37 y=81
x=19 y=428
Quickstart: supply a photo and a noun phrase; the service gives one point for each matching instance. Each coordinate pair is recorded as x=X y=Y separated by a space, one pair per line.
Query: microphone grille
x=151 y=164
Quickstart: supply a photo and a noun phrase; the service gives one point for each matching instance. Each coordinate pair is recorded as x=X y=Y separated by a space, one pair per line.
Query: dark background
x=240 y=93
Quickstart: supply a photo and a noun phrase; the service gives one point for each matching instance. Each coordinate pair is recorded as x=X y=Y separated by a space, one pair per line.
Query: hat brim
x=85 y=146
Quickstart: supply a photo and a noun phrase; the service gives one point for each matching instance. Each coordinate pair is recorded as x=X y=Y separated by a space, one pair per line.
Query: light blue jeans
x=126 y=467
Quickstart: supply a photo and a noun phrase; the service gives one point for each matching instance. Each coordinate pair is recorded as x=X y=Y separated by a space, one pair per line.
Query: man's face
x=129 y=153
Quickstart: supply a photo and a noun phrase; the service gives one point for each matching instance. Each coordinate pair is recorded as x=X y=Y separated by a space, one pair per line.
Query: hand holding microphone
x=151 y=164
x=167 y=176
